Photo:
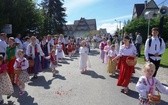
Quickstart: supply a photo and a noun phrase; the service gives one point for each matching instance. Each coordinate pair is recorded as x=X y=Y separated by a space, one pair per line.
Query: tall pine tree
x=54 y=16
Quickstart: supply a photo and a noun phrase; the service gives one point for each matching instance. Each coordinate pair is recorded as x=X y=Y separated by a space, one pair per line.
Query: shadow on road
x=133 y=94
x=93 y=74
x=94 y=52
x=60 y=77
x=134 y=79
x=41 y=81
x=24 y=99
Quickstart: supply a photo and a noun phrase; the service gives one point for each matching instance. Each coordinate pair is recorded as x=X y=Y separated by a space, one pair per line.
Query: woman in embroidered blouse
x=34 y=51
x=147 y=84
x=126 y=50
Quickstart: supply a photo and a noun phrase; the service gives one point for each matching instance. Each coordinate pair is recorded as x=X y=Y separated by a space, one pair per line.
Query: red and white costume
x=125 y=70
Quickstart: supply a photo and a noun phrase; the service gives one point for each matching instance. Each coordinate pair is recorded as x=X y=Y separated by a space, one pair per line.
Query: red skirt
x=11 y=69
x=125 y=72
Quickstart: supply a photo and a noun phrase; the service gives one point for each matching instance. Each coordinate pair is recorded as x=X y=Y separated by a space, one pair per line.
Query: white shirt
x=3 y=46
x=49 y=45
x=31 y=50
x=127 y=51
x=83 y=50
x=143 y=86
x=25 y=44
x=154 y=48
x=17 y=40
x=23 y=63
x=112 y=53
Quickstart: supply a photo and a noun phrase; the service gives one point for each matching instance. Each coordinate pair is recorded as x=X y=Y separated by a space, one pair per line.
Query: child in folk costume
x=21 y=75
x=59 y=51
x=84 y=59
x=111 y=67
x=10 y=57
x=127 y=51
x=53 y=62
x=101 y=47
x=147 y=85
x=106 y=50
x=70 y=49
x=34 y=52
x=6 y=87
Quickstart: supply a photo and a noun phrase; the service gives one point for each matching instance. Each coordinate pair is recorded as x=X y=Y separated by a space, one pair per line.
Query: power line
x=162 y=2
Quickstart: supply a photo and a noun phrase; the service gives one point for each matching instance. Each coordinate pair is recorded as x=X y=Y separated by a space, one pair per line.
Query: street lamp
x=149 y=16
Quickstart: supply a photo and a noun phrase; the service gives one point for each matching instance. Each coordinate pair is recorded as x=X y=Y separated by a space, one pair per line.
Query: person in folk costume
x=26 y=43
x=11 y=57
x=70 y=48
x=55 y=40
x=106 y=50
x=154 y=48
x=6 y=87
x=84 y=62
x=53 y=61
x=44 y=47
x=73 y=47
x=62 y=40
x=21 y=75
x=18 y=41
x=127 y=50
x=50 y=43
x=59 y=51
x=101 y=47
x=147 y=85
x=111 y=67
x=34 y=51
x=67 y=39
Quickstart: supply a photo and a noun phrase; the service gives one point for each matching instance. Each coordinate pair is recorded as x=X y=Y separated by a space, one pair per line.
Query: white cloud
x=110 y=27
x=112 y=24
x=76 y=4
x=69 y=22
x=121 y=18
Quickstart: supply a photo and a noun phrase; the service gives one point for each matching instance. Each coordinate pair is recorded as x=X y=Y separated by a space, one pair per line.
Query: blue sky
x=104 y=11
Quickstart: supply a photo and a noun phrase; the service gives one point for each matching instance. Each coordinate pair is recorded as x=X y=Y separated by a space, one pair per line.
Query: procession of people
x=21 y=58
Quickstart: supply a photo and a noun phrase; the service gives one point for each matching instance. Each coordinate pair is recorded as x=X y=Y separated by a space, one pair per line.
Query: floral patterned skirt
x=24 y=76
x=6 y=87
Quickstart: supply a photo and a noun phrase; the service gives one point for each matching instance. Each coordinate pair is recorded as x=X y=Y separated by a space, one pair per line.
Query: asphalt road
x=70 y=87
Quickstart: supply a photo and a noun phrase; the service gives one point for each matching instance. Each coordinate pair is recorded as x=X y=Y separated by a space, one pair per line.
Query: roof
x=88 y=21
x=139 y=8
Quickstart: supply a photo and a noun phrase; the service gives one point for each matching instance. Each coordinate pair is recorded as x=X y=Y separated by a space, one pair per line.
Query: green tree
x=54 y=16
x=22 y=14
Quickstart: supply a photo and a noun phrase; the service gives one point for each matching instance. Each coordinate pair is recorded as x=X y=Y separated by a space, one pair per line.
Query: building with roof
x=139 y=10
x=81 y=27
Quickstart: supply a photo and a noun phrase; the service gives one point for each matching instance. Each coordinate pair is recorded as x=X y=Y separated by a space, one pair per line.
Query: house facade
x=80 y=27
x=139 y=10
